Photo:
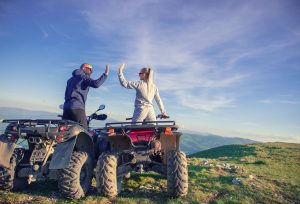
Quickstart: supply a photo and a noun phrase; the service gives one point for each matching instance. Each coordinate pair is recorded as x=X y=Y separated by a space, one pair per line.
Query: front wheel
x=177 y=174
x=75 y=180
x=107 y=181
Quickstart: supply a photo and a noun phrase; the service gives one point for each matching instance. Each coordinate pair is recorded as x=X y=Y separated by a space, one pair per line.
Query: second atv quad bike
x=33 y=150
x=142 y=146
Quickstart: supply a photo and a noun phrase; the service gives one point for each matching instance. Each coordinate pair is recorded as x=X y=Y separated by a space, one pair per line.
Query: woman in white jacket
x=145 y=92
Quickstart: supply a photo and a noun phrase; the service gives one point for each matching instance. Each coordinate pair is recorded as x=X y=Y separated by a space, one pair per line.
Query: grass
x=232 y=151
x=256 y=173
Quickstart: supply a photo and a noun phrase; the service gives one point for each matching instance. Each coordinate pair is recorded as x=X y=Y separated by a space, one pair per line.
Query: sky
x=230 y=68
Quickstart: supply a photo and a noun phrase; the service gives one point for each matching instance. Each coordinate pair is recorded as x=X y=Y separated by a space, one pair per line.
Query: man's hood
x=77 y=72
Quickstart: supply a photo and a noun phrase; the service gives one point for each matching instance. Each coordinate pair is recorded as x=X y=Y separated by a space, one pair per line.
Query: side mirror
x=101 y=107
x=61 y=106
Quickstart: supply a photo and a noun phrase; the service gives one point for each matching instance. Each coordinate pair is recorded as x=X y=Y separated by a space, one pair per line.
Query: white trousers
x=143 y=113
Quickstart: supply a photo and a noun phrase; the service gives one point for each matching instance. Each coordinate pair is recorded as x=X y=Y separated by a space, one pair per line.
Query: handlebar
x=162 y=116
x=94 y=116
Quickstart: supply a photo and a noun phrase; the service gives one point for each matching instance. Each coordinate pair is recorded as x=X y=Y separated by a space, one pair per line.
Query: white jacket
x=143 y=98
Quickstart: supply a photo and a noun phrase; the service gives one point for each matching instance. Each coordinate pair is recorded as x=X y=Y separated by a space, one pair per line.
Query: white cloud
x=185 y=43
x=257 y=136
x=266 y=101
x=203 y=102
x=289 y=102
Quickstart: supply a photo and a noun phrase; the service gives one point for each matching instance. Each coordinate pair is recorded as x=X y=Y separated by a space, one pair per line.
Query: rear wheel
x=75 y=180
x=107 y=181
x=177 y=174
x=8 y=178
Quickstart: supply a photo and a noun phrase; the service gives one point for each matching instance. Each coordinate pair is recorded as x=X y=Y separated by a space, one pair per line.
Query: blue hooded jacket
x=78 y=87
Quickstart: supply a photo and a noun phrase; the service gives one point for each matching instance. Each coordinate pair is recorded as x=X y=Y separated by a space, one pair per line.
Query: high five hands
x=121 y=68
x=107 y=70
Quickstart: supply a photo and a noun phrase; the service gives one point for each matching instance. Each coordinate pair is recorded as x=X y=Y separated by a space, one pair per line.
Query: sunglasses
x=141 y=73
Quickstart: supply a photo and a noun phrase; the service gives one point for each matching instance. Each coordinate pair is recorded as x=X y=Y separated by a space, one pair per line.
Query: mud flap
x=169 y=142
x=6 y=151
x=62 y=154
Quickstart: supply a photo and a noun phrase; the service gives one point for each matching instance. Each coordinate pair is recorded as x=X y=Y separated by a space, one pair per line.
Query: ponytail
x=149 y=80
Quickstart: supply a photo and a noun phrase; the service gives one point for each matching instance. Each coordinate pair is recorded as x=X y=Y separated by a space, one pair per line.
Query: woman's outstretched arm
x=124 y=82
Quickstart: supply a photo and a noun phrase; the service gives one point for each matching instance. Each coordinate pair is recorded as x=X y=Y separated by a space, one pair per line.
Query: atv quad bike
x=142 y=146
x=33 y=150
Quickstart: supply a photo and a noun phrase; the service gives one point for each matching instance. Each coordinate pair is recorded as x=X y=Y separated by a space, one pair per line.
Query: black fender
x=101 y=145
x=62 y=154
x=84 y=143
x=63 y=151
x=6 y=152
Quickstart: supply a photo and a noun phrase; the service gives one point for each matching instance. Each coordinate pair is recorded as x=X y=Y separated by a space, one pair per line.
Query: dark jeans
x=77 y=115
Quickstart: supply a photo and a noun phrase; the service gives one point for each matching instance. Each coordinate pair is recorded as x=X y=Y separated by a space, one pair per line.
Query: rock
x=234 y=167
x=219 y=166
x=204 y=162
x=236 y=181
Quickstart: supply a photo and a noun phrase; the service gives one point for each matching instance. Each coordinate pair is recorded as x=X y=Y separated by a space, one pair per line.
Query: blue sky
x=226 y=67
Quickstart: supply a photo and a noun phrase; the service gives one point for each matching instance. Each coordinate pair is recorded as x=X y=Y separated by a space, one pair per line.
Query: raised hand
x=121 y=68
x=107 y=70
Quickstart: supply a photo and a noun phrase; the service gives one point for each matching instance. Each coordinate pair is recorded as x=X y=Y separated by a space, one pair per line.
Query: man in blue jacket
x=76 y=92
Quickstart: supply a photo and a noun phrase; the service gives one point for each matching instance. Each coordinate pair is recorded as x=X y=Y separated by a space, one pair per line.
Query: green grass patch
x=231 y=151
x=256 y=173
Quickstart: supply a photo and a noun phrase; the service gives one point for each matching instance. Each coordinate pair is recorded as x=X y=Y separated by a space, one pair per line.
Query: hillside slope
x=191 y=143
x=256 y=173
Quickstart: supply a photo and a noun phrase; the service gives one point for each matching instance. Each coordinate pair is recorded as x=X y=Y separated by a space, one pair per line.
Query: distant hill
x=191 y=143
x=20 y=113
x=236 y=151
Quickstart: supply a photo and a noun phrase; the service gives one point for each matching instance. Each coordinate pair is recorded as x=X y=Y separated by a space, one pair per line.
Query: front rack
x=32 y=122
x=45 y=126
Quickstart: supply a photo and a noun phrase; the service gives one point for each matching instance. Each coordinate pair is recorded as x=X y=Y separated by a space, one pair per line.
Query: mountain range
x=190 y=142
